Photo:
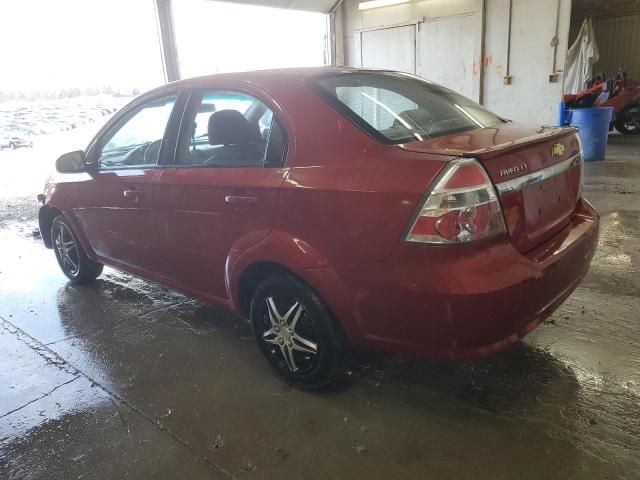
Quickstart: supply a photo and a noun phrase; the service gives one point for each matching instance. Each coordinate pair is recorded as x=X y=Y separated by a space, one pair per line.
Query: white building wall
x=449 y=49
x=440 y=21
x=530 y=98
x=458 y=34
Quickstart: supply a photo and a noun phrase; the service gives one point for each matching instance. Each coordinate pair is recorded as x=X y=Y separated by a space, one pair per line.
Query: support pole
x=168 y=48
x=332 y=30
x=330 y=45
x=481 y=69
x=507 y=77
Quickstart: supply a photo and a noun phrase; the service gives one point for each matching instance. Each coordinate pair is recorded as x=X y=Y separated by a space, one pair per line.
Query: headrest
x=418 y=116
x=230 y=127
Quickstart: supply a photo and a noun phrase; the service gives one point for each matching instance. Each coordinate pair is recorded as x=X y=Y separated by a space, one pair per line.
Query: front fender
x=48 y=212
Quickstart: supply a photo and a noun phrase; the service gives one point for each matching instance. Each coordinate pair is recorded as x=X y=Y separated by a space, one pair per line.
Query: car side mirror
x=72 y=162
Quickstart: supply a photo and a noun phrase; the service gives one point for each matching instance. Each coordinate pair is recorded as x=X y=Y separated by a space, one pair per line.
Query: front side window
x=137 y=142
x=396 y=108
x=230 y=129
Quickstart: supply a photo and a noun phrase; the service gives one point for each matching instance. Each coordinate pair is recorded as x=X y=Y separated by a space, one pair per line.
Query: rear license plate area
x=547 y=205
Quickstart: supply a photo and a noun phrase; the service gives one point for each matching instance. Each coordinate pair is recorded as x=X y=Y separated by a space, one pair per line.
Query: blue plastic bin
x=593 y=125
x=562 y=114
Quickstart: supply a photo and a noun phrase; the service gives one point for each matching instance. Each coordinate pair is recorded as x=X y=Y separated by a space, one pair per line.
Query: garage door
x=445 y=53
x=390 y=48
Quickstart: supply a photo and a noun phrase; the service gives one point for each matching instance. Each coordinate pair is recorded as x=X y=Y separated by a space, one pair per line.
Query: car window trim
x=168 y=155
x=195 y=95
x=285 y=142
x=124 y=117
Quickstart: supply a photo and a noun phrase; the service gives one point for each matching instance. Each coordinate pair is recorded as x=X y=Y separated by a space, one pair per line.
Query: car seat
x=237 y=140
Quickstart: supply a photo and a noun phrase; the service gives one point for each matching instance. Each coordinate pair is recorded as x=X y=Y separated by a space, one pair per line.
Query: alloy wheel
x=289 y=334
x=67 y=249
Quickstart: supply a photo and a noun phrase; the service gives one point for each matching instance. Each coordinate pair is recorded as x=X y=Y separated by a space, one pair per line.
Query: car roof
x=286 y=74
x=262 y=77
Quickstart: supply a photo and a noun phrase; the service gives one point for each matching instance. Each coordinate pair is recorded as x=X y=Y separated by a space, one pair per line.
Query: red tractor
x=621 y=93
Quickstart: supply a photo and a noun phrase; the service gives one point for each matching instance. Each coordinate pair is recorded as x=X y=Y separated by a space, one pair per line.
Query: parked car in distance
x=12 y=141
x=5 y=141
x=332 y=207
x=45 y=117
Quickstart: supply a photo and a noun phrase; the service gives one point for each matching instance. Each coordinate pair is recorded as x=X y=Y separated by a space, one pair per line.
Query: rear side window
x=396 y=108
x=230 y=129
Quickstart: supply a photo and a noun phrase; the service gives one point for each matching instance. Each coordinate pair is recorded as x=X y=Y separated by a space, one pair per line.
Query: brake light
x=462 y=207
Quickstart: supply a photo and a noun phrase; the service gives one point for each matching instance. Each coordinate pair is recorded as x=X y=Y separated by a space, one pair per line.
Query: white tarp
x=580 y=59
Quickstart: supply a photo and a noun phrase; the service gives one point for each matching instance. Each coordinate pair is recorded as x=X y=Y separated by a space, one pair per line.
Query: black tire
x=628 y=121
x=72 y=259
x=314 y=325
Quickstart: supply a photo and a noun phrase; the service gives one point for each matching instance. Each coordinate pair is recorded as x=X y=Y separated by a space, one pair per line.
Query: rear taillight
x=462 y=207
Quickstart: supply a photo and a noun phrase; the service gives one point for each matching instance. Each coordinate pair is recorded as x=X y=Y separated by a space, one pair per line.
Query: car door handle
x=240 y=200
x=133 y=193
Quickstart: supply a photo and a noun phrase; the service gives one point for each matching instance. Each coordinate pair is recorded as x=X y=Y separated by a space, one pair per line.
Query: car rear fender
x=281 y=252
x=278 y=248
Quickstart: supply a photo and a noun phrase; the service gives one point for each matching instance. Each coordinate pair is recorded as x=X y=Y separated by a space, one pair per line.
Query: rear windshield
x=397 y=108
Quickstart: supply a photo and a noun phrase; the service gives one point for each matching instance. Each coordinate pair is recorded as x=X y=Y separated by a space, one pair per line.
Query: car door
x=115 y=208
x=222 y=191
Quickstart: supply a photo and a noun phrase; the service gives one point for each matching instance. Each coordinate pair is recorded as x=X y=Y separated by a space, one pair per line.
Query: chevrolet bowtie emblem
x=557 y=150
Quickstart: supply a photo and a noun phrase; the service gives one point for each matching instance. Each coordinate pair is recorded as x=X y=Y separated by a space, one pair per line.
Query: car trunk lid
x=536 y=171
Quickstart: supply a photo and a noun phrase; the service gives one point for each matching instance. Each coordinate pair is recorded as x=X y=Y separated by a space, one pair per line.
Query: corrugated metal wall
x=618 y=41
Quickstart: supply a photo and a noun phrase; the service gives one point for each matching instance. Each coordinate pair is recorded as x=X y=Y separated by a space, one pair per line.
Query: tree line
x=60 y=93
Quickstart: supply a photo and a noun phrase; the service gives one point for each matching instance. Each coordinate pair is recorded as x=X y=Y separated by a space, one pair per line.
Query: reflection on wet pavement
x=125 y=378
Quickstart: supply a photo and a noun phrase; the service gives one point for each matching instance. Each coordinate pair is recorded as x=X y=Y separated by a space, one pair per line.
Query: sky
x=215 y=37
x=48 y=44
x=78 y=43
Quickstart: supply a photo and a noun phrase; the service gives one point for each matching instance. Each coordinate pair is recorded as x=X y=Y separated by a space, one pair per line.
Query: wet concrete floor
x=127 y=379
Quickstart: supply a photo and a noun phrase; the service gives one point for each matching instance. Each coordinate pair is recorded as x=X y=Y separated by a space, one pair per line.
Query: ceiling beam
x=604 y=8
x=320 y=6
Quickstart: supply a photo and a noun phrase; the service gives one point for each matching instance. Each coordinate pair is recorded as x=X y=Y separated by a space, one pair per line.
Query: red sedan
x=333 y=207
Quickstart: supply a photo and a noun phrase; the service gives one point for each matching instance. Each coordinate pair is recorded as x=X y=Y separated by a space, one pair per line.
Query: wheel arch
x=254 y=274
x=281 y=252
x=278 y=252
x=249 y=280
x=46 y=214
x=325 y=283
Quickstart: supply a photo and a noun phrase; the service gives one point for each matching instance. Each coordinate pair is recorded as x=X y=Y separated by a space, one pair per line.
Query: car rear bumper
x=458 y=302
